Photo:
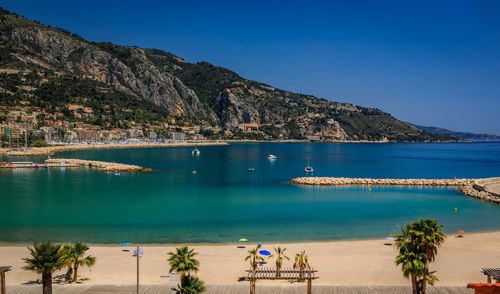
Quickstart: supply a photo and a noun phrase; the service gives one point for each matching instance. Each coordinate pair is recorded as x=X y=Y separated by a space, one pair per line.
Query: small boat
x=308 y=169
x=251 y=169
x=196 y=152
x=272 y=156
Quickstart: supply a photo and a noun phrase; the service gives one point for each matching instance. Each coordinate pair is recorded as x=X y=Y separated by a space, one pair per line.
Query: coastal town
x=33 y=126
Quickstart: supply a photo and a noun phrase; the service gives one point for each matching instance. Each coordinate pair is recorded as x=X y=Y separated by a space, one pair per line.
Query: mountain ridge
x=467 y=136
x=193 y=93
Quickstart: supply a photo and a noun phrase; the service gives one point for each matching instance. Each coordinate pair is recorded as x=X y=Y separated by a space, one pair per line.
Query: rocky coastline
x=470 y=187
x=51 y=150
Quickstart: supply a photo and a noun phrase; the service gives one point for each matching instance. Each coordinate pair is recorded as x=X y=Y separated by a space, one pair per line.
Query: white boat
x=251 y=169
x=272 y=156
x=308 y=169
x=196 y=152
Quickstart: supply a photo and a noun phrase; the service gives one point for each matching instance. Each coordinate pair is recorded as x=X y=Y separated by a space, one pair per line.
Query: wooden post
x=2 y=277
x=309 y=286
x=138 y=269
x=252 y=286
x=489 y=279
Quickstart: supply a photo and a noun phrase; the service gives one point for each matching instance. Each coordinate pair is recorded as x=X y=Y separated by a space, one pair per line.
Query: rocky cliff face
x=202 y=90
x=70 y=55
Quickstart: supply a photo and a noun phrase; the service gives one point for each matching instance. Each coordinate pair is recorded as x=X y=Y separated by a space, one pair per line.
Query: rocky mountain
x=467 y=136
x=46 y=61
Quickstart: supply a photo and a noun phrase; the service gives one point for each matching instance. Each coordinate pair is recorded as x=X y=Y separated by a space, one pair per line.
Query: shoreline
x=222 y=244
x=51 y=150
x=459 y=261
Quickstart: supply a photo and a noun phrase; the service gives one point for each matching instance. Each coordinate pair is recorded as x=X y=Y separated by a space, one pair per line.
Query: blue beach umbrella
x=126 y=244
x=265 y=252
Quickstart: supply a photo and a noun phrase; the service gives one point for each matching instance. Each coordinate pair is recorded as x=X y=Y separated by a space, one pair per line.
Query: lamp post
x=138 y=269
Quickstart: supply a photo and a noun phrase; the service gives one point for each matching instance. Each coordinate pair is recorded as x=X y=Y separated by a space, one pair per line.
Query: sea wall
x=470 y=190
x=101 y=165
x=470 y=187
x=51 y=150
x=369 y=181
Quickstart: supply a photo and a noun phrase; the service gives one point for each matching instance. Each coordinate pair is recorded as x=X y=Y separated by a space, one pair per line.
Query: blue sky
x=434 y=63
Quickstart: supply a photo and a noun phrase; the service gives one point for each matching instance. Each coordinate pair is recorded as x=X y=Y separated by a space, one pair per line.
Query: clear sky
x=434 y=63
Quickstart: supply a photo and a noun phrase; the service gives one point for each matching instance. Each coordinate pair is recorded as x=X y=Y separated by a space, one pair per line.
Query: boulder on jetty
x=101 y=165
x=368 y=181
x=470 y=187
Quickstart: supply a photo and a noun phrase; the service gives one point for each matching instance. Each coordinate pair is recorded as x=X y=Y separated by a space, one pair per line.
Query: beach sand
x=364 y=262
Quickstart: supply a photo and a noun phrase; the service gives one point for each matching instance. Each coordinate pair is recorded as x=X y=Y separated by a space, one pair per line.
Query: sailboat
x=308 y=169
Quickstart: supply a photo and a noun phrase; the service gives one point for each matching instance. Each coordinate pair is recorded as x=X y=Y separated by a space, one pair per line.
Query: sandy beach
x=345 y=263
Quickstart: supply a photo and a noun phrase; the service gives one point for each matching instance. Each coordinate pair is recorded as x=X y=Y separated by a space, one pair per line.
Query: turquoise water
x=223 y=202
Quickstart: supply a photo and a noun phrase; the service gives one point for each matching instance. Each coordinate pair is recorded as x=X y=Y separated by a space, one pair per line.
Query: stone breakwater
x=367 y=181
x=101 y=165
x=477 y=188
x=51 y=150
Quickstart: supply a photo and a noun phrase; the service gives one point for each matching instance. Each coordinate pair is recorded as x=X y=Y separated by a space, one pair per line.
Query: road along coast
x=101 y=165
x=477 y=188
x=51 y=150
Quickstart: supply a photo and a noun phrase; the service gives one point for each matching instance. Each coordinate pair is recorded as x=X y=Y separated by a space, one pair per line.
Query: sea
x=213 y=198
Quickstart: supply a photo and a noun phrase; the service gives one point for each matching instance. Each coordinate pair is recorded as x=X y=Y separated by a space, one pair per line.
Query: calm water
x=223 y=202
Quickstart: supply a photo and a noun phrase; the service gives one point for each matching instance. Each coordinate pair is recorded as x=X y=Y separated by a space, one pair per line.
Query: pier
x=65 y=162
x=101 y=165
x=484 y=189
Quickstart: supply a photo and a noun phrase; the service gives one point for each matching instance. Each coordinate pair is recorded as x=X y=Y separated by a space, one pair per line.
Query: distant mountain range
x=460 y=135
x=114 y=86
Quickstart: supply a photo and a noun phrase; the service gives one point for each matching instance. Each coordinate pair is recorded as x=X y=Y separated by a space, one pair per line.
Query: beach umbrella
x=389 y=239
x=460 y=231
x=126 y=244
x=141 y=252
x=265 y=252
x=243 y=240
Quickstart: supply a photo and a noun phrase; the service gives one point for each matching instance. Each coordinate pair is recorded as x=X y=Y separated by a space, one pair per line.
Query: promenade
x=235 y=289
x=51 y=150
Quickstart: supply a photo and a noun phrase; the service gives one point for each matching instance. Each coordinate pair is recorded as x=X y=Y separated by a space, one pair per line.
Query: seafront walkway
x=51 y=150
x=235 y=289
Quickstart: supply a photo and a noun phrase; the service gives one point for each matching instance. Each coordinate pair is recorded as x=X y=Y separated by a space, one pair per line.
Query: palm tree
x=190 y=285
x=74 y=258
x=254 y=258
x=417 y=246
x=46 y=258
x=280 y=255
x=429 y=235
x=183 y=261
x=301 y=262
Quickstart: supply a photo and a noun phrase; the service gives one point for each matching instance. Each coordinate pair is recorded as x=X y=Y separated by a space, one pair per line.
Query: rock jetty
x=392 y=182
x=101 y=165
x=477 y=188
x=51 y=150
